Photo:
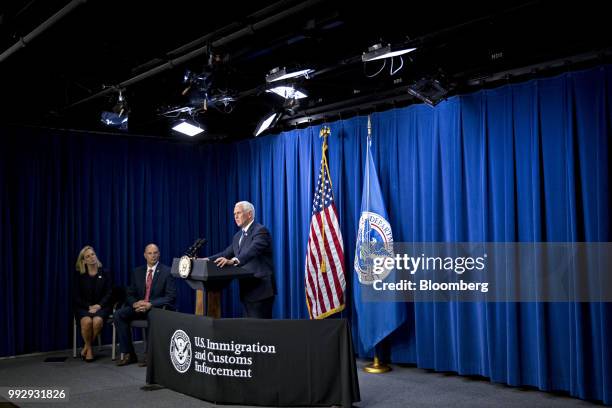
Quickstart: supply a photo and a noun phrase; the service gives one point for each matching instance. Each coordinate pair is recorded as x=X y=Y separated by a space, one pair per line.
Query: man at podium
x=251 y=248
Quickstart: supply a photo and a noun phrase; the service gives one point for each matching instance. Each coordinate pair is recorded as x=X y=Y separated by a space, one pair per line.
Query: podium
x=206 y=275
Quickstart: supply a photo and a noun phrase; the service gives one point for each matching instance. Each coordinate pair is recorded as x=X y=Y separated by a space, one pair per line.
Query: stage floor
x=102 y=384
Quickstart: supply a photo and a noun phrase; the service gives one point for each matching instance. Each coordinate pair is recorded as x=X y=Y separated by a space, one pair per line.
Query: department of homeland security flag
x=324 y=278
x=376 y=319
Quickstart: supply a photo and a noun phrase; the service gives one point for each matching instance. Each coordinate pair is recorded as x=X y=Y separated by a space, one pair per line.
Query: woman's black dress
x=92 y=290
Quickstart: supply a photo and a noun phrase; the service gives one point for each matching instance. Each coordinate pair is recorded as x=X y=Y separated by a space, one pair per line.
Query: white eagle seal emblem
x=180 y=351
x=184 y=267
x=374 y=240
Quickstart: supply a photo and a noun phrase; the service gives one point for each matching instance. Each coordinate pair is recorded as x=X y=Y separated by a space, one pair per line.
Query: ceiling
x=69 y=72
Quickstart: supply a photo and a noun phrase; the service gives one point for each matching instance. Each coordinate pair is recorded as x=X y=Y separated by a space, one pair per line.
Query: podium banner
x=253 y=361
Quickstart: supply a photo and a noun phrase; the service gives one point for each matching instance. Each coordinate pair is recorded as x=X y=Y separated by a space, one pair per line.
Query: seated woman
x=92 y=294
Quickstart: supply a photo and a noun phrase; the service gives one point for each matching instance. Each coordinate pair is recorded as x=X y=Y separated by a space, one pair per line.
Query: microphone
x=192 y=251
x=199 y=243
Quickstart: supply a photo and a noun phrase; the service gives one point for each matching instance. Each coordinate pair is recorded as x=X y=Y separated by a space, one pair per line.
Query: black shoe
x=127 y=359
x=88 y=360
x=143 y=363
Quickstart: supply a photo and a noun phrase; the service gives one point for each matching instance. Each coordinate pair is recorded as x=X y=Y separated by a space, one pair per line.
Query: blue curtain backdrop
x=526 y=162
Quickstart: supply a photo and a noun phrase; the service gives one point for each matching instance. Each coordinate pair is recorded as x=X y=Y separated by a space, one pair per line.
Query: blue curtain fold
x=526 y=162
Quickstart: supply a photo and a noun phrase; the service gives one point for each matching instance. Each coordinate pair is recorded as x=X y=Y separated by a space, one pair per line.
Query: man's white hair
x=246 y=206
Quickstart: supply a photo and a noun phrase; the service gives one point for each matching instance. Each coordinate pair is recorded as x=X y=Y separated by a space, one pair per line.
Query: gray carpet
x=102 y=384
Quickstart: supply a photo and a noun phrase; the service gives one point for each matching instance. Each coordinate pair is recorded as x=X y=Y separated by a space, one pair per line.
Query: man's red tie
x=148 y=283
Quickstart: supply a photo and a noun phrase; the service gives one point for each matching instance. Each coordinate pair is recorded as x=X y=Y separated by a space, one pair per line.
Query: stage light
x=118 y=116
x=288 y=92
x=188 y=127
x=267 y=122
x=278 y=74
x=378 y=52
x=431 y=91
x=115 y=120
x=201 y=82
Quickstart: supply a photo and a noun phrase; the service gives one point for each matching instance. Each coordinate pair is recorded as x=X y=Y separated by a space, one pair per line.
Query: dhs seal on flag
x=180 y=351
x=374 y=240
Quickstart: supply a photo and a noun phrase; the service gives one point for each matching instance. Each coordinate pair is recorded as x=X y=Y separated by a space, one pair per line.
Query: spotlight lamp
x=429 y=90
x=267 y=122
x=188 y=127
x=185 y=122
x=288 y=92
x=378 y=52
x=279 y=74
x=112 y=119
x=117 y=117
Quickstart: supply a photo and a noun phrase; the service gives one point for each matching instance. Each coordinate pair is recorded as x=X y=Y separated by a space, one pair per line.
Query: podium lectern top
x=204 y=272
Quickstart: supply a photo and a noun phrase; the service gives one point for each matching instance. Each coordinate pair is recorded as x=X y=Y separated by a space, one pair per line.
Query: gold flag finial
x=325 y=131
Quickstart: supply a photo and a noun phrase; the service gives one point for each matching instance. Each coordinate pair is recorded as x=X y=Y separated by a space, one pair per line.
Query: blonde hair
x=80 y=262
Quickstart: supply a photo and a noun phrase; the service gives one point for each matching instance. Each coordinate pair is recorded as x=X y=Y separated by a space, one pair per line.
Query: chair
x=74 y=338
x=74 y=335
x=144 y=325
x=138 y=323
x=117 y=298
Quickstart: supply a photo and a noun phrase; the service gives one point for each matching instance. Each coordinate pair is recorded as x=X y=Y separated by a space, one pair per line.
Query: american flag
x=325 y=282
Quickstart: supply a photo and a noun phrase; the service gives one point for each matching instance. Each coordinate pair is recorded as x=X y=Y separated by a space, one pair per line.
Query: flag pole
x=376 y=367
x=325 y=131
x=367 y=171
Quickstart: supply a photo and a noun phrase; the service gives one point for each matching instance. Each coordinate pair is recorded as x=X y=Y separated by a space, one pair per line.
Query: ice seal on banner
x=374 y=240
x=180 y=351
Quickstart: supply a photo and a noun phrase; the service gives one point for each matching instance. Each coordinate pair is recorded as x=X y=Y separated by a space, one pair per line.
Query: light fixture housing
x=429 y=90
x=114 y=120
x=378 y=52
x=279 y=74
x=117 y=117
x=188 y=127
x=267 y=122
x=288 y=92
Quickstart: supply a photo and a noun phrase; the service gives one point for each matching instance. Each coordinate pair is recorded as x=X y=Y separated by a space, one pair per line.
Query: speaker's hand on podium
x=221 y=261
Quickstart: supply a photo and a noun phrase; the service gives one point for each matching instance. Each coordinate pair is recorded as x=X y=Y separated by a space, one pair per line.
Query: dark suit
x=163 y=293
x=254 y=254
x=92 y=290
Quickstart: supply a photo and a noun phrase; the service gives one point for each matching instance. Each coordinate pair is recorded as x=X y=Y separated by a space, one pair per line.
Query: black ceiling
x=58 y=79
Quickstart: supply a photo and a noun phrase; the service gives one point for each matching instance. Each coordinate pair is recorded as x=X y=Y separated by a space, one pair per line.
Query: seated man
x=152 y=286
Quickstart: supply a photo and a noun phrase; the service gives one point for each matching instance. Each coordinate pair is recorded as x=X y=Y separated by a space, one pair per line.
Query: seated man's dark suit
x=254 y=253
x=163 y=293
